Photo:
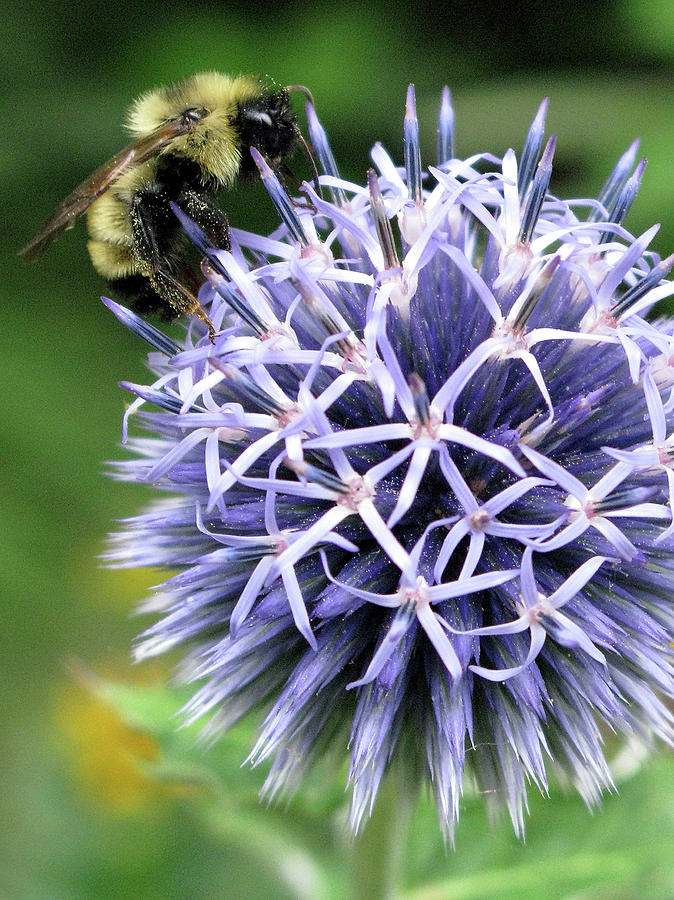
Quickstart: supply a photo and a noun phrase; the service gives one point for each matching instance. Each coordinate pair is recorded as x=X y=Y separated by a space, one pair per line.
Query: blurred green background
x=79 y=818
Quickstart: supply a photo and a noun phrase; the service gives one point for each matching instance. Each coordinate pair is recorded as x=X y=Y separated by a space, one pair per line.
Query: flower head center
x=288 y=416
x=415 y=596
x=427 y=429
x=359 y=489
x=513 y=337
x=479 y=520
x=665 y=455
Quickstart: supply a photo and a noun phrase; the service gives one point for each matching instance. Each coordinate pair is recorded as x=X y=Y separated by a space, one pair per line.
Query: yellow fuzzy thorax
x=213 y=143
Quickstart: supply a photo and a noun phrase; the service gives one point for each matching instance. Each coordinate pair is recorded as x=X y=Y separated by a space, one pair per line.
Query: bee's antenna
x=302 y=90
x=312 y=162
x=300 y=137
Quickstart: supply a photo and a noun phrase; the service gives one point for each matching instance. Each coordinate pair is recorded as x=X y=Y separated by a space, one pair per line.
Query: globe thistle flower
x=420 y=485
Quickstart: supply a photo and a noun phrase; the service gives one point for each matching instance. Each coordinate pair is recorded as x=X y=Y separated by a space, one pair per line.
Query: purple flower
x=419 y=489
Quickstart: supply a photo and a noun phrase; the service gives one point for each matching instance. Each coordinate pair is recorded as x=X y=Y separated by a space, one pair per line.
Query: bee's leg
x=211 y=219
x=180 y=298
x=151 y=218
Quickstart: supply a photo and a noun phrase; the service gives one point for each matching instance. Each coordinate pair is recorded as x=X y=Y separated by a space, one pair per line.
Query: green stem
x=378 y=852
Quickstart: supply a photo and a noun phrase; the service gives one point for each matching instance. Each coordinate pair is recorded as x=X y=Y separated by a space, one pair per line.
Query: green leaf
x=569 y=852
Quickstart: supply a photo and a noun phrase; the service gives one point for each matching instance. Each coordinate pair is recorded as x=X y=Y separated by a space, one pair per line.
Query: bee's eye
x=195 y=114
x=260 y=116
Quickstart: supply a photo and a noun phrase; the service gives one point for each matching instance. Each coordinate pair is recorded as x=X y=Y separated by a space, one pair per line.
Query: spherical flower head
x=420 y=484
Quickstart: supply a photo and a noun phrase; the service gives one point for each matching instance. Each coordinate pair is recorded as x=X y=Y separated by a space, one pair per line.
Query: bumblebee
x=191 y=139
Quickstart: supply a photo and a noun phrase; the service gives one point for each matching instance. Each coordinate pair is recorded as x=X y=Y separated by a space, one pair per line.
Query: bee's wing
x=98 y=183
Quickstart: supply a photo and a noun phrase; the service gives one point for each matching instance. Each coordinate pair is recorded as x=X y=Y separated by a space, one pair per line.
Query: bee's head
x=223 y=117
x=268 y=123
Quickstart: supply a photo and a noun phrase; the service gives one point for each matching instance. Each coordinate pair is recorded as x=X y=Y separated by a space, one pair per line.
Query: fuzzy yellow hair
x=212 y=143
